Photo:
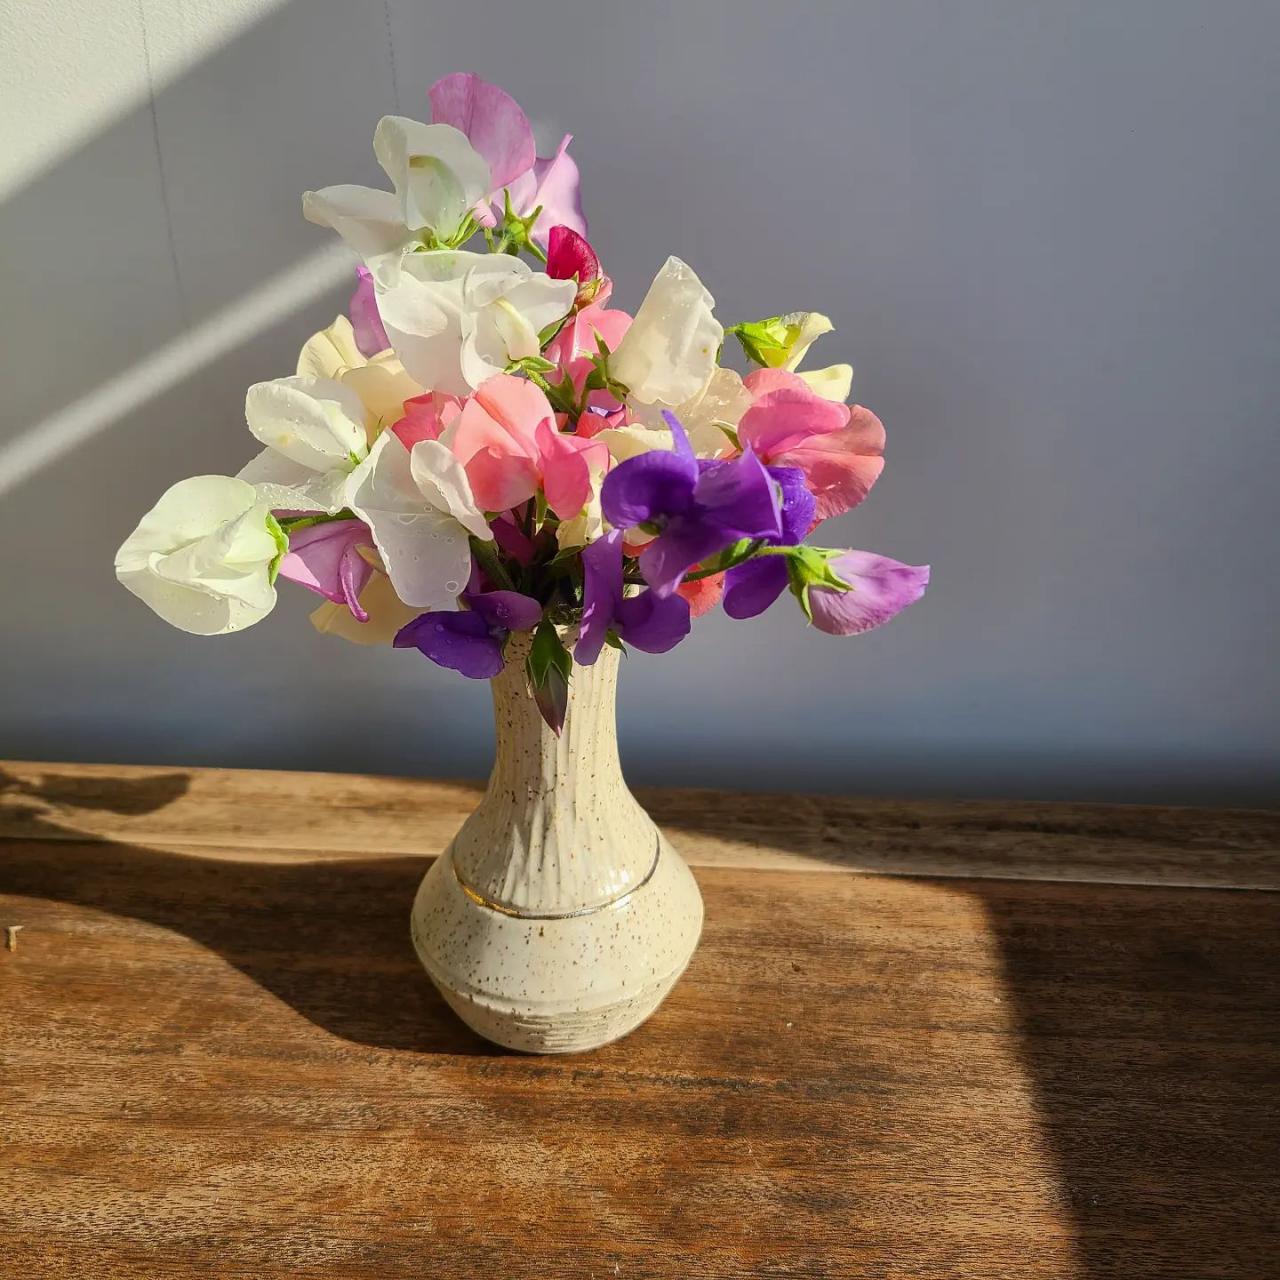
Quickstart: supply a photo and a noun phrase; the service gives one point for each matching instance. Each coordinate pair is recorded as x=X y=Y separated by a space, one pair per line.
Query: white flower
x=438 y=178
x=720 y=402
x=668 y=354
x=380 y=381
x=203 y=556
x=456 y=318
x=316 y=435
x=832 y=383
x=421 y=511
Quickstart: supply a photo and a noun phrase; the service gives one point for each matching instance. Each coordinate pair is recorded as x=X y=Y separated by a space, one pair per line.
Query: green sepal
x=809 y=567
x=531 y=364
x=281 y=539
x=612 y=640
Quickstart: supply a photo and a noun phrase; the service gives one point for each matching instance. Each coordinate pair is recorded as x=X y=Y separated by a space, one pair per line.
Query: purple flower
x=471 y=641
x=880 y=589
x=749 y=589
x=325 y=558
x=699 y=508
x=651 y=622
x=371 y=337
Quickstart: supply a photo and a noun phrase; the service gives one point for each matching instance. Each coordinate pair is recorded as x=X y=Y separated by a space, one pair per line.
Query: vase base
x=557 y=984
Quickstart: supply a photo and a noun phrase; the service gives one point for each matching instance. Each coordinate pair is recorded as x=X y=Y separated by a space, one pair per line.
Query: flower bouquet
x=489 y=464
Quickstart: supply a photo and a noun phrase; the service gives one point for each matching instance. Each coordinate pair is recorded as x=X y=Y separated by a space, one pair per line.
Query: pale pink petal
x=881 y=589
x=841 y=466
x=491 y=119
x=553 y=184
x=500 y=481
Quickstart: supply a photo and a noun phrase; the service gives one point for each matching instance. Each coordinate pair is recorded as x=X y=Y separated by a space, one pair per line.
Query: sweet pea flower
x=379 y=380
x=384 y=614
x=651 y=622
x=471 y=642
x=315 y=434
x=552 y=185
x=456 y=318
x=500 y=131
x=420 y=510
x=752 y=587
x=880 y=589
x=697 y=507
x=781 y=342
x=330 y=559
x=669 y=351
x=571 y=257
x=366 y=324
x=438 y=179
x=203 y=557
x=718 y=404
x=507 y=440
x=426 y=417
x=839 y=448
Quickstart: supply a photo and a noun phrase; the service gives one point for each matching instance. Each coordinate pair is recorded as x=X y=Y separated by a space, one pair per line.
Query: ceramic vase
x=560 y=916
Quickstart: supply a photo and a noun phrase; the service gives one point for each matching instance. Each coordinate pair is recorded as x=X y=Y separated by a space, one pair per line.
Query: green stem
x=487 y=554
x=724 y=562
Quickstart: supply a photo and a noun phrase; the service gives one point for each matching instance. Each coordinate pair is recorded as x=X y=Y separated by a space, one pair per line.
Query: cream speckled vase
x=559 y=917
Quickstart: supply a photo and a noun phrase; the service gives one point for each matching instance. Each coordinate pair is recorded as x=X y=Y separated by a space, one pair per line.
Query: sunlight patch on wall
x=75 y=68
x=272 y=301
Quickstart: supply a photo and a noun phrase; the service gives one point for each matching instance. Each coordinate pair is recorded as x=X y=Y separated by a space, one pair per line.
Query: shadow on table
x=1149 y=1018
x=1149 y=1026
x=329 y=938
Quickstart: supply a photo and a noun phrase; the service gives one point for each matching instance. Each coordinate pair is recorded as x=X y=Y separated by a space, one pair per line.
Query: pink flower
x=426 y=417
x=571 y=257
x=839 y=448
x=881 y=589
x=366 y=324
x=509 y=445
x=327 y=559
x=580 y=331
x=492 y=120
x=499 y=130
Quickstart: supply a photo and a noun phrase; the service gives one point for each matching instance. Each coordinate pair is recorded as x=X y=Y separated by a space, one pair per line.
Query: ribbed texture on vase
x=558 y=829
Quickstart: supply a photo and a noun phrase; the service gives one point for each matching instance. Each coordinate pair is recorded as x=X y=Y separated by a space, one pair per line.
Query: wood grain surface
x=218 y=1056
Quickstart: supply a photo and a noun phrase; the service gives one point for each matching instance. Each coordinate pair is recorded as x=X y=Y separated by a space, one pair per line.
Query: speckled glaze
x=559 y=917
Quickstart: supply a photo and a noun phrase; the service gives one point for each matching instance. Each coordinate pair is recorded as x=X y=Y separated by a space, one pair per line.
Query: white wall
x=1046 y=232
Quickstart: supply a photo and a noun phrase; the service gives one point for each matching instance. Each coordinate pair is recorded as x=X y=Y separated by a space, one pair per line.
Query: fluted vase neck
x=558 y=831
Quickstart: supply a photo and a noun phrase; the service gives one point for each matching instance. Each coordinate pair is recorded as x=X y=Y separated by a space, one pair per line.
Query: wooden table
x=918 y=1040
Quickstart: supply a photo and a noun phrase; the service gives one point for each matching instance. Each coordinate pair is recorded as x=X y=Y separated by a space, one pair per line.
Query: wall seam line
x=170 y=234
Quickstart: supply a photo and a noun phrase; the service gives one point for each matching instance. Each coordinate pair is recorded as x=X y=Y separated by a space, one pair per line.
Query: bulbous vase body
x=560 y=916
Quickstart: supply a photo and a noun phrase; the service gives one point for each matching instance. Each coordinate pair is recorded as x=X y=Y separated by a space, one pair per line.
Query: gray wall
x=1046 y=231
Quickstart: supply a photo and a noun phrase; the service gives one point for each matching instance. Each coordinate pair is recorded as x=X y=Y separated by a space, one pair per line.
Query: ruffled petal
x=316 y=422
x=425 y=551
x=654 y=623
x=646 y=486
x=752 y=587
x=460 y=641
x=881 y=589
x=490 y=118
